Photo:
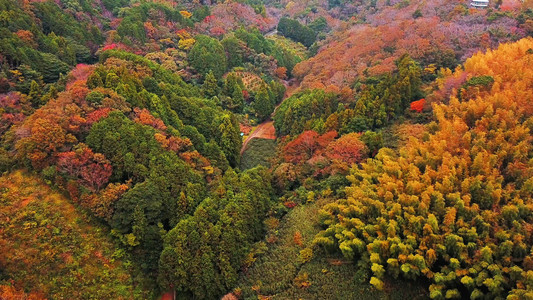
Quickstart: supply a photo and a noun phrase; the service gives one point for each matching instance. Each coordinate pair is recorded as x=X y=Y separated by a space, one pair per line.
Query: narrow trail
x=266 y=129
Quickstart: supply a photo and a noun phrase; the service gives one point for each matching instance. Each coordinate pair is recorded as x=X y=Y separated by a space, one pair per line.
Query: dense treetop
x=188 y=146
x=454 y=207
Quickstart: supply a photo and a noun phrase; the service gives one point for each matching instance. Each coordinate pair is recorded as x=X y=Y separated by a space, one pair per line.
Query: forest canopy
x=266 y=149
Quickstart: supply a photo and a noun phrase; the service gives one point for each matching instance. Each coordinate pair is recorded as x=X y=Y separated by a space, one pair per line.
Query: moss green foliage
x=378 y=101
x=251 y=49
x=113 y=5
x=263 y=104
x=484 y=81
x=146 y=134
x=198 y=119
x=254 y=40
x=161 y=175
x=235 y=51
x=134 y=118
x=383 y=99
x=263 y=97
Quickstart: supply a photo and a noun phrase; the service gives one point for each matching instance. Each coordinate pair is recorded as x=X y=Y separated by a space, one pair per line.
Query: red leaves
x=78 y=90
x=209 y=19
x=509 y=5
x=323 y=153
x=110 y=47
x=81 y=72
x=418 y=106
x=348 y=149
x=306 y=144
x=150 y=30
x=217 y=31
x=12 y=110
x=96 y=173
x=302 y=148
x=245 y=94
x=143 y=116
x=290 y=204
x=92 y=169
x=172 y=143
x=96 y=115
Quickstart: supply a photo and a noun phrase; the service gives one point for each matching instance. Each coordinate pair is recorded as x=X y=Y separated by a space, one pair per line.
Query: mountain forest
x=266 y=149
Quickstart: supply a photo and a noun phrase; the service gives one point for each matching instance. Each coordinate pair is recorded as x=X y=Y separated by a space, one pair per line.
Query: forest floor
x=279 y=272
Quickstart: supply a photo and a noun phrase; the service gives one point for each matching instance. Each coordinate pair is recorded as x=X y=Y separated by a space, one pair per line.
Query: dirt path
x=266 y=129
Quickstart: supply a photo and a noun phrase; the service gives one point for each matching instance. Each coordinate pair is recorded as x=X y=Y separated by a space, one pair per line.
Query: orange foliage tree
x=306 y=145
x=418 y=105
x=453 y=207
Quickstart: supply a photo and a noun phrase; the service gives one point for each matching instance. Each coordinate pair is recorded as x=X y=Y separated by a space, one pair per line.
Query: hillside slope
x=52 y=250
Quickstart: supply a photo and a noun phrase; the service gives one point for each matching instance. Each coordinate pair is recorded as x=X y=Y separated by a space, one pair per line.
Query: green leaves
x=204 y=252
x=208 y=55
x=296 y=31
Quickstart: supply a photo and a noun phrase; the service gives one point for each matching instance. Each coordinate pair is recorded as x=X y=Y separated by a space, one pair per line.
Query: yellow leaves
x=378 y=270
x=414 y=187
x=29 y=225
x=131 y=240
x=290 y=5
x=305 y=255
x=374 y=258
x=185 y=14
x=166 y=41
x=209 y=170
x=183 y=34
x=161 y=139
x=186 y=44
x=249 y=260
x=17 y=74
x=377 y=283
x=430 y=69
x=471 y=174
x=323 y=241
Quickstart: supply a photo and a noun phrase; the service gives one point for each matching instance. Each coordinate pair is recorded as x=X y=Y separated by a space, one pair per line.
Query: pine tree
x=263 y=104
x=229 y=138
x=210 y=87
x=35 y=94
x=237 y=100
